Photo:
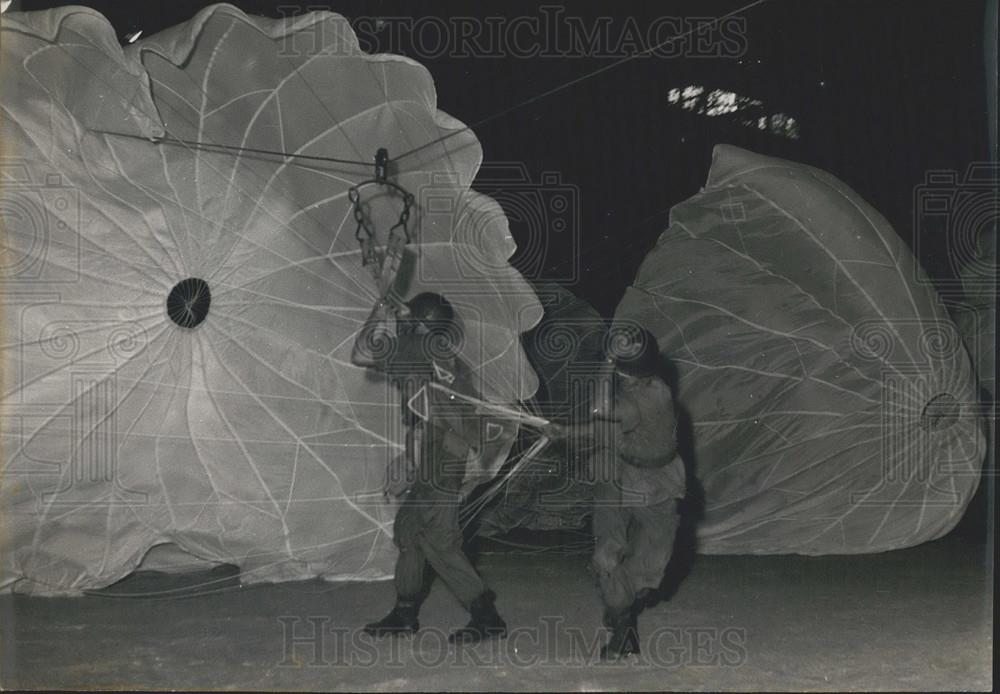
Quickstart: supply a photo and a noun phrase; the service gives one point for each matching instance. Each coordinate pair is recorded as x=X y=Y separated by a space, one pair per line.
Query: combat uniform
x=442 y=432
x=427 y=527
x=639 y=480
x=636 y=498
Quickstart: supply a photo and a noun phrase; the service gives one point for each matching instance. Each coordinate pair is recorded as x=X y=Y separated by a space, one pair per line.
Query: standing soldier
x=639 y=481
x=441 y=431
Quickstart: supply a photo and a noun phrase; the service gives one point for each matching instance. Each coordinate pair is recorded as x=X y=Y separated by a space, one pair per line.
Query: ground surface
x=917 y=619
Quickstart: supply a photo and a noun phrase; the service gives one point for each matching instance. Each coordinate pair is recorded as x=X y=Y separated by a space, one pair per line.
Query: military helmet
x=442 y=336
x=430 y=309
x=633 y=350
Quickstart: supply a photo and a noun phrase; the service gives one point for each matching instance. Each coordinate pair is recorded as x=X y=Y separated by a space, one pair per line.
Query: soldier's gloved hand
x=607 y=556
x=400 y=309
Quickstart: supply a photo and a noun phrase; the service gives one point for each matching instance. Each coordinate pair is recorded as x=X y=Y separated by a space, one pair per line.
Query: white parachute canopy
x=235 y=428
x=833 y=403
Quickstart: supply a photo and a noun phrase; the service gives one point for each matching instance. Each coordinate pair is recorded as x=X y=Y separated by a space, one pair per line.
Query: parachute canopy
x=567 y=344
x=566 y=349
x=833 y=403
x=179 y=313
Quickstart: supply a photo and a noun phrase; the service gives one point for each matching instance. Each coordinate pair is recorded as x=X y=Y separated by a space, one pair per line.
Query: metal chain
x=363 y=233
x=383 y=263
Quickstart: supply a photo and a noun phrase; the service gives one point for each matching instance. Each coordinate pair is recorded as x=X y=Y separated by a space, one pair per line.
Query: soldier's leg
x=610 y=524
x=611 y=533
x=408 y=528
x=441 y=544
x=651 y=542
x=409 y=574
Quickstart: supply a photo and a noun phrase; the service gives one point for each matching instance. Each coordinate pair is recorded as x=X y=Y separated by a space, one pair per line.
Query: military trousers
x=636 y=517
x=427 y=530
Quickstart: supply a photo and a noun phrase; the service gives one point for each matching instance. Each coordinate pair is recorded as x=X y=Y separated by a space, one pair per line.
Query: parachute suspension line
x=384 y=262
x=238 y=150
x=577 y=80
x=469 y=513
x=235 y=150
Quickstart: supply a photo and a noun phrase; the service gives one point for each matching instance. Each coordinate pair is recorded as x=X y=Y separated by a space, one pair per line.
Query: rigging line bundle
x=384 y=263
x=488 y=119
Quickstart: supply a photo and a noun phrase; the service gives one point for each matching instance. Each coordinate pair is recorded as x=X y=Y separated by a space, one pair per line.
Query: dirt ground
x=915 y=619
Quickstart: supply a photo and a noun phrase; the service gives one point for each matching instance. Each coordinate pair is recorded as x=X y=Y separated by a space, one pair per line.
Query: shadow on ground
x=913 y=619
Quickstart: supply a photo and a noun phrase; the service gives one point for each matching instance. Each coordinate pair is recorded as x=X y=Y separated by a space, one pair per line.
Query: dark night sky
x=882 y=91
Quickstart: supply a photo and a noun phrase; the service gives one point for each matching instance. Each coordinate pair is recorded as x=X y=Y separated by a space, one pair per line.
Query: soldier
x=639 y=481
x=425 y=349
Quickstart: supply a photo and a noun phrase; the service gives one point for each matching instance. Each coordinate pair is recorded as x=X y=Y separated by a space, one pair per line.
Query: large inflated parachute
x=833 y=403
x=178 y=315
x=565 y=349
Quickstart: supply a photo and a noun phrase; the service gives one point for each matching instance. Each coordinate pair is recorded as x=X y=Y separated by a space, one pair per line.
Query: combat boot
x=643 y=599
x=402 y=620
x=486 y=622
x=624 y=634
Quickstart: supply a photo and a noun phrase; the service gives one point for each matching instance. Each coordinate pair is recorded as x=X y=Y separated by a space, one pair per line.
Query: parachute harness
x=383 y=263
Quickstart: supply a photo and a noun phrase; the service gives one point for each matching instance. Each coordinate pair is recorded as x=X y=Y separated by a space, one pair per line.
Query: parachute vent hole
x=188 y=302
x=940 y=412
